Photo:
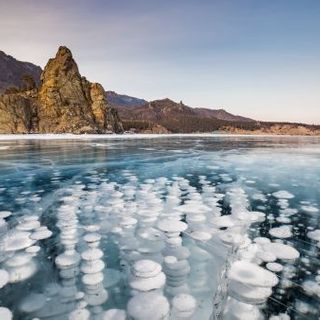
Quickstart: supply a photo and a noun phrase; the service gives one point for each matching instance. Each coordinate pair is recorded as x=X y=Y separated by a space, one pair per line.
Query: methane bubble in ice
x=4 y=278
x=146 y=306
x=283 y=194
x=5 y=314
x=251 y=274
x=281 y=232
x=114 y=314
x=282 y=251
x=106 y=230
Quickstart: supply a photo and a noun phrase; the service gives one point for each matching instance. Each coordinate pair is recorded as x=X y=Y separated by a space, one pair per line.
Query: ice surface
x=179 y=227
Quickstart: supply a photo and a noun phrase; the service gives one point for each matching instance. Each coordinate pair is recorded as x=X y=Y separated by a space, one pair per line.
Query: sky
x=256 y=58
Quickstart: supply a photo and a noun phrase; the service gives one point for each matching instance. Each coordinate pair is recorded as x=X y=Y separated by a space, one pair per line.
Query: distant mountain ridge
x=136 y=105
x=220 y=114
x=123 y=100
x=12 y=71
x=176 y=117
x=58 y=99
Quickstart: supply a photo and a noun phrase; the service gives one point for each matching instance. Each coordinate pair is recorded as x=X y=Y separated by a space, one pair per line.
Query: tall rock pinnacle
x=65 y=102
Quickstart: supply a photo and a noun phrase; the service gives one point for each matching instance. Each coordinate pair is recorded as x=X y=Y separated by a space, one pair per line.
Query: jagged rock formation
x=64 y=102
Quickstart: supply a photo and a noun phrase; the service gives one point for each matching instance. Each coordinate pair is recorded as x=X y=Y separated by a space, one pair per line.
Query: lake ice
x=159 y=227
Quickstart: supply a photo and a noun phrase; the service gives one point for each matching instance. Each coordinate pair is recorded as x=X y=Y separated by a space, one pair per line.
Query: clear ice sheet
x=107 y=228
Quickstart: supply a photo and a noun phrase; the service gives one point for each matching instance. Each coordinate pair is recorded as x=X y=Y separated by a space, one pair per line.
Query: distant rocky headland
x=59 y=100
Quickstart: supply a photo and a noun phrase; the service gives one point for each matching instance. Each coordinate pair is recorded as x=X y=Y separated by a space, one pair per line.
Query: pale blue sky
x=257 y=58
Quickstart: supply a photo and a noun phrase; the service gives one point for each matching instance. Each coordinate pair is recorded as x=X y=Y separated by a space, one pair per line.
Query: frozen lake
x=159 y=227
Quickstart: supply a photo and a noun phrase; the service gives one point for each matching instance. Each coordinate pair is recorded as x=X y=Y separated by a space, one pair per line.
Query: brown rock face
x=16 y=113
x=65 y=102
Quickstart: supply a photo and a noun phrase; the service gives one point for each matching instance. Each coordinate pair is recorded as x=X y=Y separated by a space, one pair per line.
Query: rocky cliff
x=64 y=102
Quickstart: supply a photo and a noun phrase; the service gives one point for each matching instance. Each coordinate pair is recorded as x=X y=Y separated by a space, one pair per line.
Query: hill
x=12 y=72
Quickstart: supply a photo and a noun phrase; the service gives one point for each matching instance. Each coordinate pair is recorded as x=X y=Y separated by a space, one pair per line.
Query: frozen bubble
x=92 y=279
x=28 y=225
x=41 y=234
x=282 y=251
x=172 y=225
x=147 y=284
x=303 y=307
x=146 y=306
x=5 y=214
x=259 y=196
x=223 y=221
x=92 y=266
x=128 y=222
x=274 y=266
x=19 y=259
x=311 y=288
x=67 y=259
x=281 y=232
x=250 y=274
x=196 y=218
x=17 y=241
x=5 y=314
x=146 y=268
x=257 y=216
x=193 y=206
x=266 y=256
x=283 y=194
x=231 y=238
x=314 y=235
x=114 y=314
x=184 y=305
x=51 y=289
x=92 y=237
x=33 y=249
x=201 y=235
x=32 y=303
x=150 y=234
x=4 y=278
x=283 y=219
x=261 y=240
x=79 y=314
x=22 y=273
x=309 y=209
x=236 y=310
x=249 y=294
x=92 y=254
x=280 y=316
